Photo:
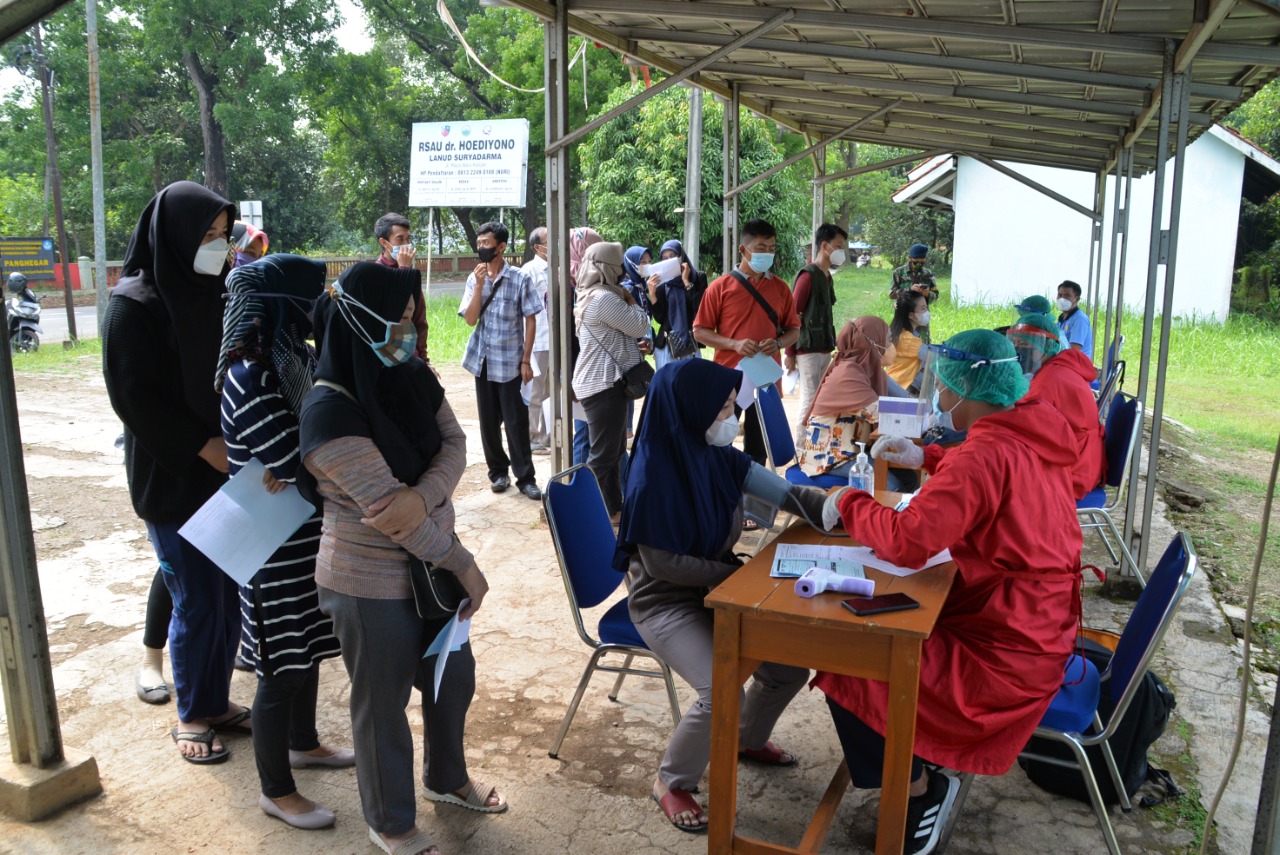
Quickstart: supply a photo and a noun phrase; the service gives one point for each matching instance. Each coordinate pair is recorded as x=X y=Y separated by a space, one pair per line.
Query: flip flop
x=205 y=738
x=235 y=724
x=477 y=797
x=770 y=755
x=416 y=845
x=679 y=801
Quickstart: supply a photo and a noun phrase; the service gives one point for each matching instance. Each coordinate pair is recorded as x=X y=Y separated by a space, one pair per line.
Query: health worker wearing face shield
x=1062 y=377
x=1001 y=502
x=749 y=311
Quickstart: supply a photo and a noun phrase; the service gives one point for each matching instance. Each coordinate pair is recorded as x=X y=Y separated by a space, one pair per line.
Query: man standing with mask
x=815 y=298
x=1073 y=322
x=540 y=389
x=914 y=276
x=502 y=304
x=749 y=311
x=397 y=250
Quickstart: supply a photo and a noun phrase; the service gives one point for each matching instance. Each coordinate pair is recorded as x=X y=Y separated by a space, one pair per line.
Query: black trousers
x=284 y=717
x=155 y=633
x=752 y=435
x=607 y=424
x=863 y=749
x=500 y=406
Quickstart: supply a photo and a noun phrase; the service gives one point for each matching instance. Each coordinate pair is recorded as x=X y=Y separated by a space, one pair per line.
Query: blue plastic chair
x=1124 y=431
x=1110 y=363
x=585 y=544
x=779 y=446
x=1114 y=381
x=1074 y=710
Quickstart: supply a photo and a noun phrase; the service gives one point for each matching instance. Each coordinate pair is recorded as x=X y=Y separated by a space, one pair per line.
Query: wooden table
x=758 y=618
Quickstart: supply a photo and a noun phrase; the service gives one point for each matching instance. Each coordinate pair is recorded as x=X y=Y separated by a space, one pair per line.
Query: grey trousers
x=382 y=643
x=682 y=636
x=539 y=391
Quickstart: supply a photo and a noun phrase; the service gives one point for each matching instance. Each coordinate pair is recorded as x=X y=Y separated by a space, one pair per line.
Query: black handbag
x=636 y=379
x=436 y=591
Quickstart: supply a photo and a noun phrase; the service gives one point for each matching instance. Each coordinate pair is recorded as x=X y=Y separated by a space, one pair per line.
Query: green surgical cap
x=1035 y=303
x=1050 y=344
x=998 y=382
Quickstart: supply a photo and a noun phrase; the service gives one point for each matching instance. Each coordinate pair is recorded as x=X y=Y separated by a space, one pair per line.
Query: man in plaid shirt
x=501 y=303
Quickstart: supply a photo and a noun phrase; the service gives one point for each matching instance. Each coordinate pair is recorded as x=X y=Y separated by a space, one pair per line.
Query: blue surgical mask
x=940 y=417
x=760 y=262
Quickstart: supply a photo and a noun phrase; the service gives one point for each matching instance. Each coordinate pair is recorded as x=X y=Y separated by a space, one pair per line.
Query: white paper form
x=242 y=524
x=451 y=637
x=869 y=559
x=792 y=560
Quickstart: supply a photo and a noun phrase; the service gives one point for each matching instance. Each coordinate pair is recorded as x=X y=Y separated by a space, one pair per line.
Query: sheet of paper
x=761 y=370
x=746 y=396
x=791 y=560
x=790 y=381
x=451 y=637
x=242 y=524
x=579 y=411
x=869 y=559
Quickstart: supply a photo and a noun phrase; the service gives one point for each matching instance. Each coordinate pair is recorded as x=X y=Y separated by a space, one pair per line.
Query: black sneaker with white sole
x=927 y=814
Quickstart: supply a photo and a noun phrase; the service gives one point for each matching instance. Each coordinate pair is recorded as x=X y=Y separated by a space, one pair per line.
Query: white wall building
x=1012 y=241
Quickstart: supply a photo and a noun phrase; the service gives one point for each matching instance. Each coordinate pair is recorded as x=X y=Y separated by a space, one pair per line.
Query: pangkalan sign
x=33 y=257
x=464 y=164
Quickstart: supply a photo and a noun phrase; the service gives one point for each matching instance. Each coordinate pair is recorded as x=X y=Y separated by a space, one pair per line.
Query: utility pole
x=95 y=143
x=51 y=156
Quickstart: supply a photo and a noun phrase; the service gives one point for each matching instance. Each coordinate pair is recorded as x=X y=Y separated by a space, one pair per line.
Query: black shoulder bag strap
x=759 y=298
x=489 y=299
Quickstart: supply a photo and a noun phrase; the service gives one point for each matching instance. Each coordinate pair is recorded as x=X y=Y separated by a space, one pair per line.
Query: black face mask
x=486 y=253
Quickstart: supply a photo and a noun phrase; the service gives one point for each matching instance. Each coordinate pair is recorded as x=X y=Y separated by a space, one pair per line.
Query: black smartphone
x=863 y=606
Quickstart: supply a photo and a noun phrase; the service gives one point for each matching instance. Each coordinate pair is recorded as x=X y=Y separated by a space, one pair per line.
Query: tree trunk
x=215 y=157
x=464 y=217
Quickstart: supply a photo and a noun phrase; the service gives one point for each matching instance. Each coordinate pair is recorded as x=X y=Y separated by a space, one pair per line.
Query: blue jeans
x=204 y=632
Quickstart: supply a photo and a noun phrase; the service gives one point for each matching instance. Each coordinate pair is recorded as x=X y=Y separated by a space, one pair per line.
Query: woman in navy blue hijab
x=681 y=516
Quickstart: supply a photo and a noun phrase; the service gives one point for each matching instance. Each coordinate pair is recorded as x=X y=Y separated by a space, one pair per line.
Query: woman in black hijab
x=387 y=453
x=160 y=344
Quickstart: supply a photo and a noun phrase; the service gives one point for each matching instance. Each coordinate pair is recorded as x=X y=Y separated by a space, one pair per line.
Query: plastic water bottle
x=862 y=476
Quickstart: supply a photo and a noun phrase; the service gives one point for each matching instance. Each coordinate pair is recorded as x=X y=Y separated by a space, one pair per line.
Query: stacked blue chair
x=1124 y=432
x=585 y=544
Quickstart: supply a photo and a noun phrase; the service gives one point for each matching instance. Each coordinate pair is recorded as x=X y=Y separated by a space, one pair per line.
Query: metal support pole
x=559 y=291
x=819 y=210
x=693 y=179
x=1095 y=248
x=1116 y=215
x=29 y=701
x=1124 y=248
x=95 y=152
x=1154 y=260
x=729 y=248
x=1181 y=106
x=431 y=223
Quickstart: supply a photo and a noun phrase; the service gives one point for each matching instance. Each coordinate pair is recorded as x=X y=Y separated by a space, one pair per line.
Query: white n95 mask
x=211 y=257
x=723 y=433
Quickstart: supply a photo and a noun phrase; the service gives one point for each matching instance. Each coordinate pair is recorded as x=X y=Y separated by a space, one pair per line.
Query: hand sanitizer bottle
x=862 y=476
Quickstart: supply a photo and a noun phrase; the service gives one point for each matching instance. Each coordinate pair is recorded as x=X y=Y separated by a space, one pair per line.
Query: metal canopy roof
x=1056 y=82
x=16 y=16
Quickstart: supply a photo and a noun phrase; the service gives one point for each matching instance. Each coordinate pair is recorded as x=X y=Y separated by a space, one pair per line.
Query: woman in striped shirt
x=609 y=324
x=387 y=453
x=264 y=373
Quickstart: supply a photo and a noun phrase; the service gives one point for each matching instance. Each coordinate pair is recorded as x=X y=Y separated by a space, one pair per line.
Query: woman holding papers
x=846 y=406
x=680 y=520
x=387 y=452
x=160 y=340
x=608 y=322
x=264 y=373
x=1002 y=503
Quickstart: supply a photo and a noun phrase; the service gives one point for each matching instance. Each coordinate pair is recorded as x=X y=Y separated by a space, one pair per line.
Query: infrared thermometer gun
x=816 y=580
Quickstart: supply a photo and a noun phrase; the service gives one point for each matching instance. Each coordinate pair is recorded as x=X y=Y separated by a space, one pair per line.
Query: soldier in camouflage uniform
x=914 y=275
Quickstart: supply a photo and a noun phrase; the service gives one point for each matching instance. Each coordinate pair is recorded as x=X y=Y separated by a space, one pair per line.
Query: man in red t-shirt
x=736 y=324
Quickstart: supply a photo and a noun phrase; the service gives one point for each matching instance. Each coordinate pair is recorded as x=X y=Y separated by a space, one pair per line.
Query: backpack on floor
x=1142 y=726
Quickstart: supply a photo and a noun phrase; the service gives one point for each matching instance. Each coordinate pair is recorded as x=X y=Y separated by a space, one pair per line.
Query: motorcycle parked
x=23 y=316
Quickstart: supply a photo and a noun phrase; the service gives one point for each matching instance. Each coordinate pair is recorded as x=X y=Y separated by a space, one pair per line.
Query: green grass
x=448 y=333
x=53 y=358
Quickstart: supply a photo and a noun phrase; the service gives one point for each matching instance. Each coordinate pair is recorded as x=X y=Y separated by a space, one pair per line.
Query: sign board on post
x=469 y=164
x=251 y=213
x=33 y=257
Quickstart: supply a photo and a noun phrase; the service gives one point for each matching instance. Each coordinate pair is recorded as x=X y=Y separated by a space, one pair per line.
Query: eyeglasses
x=964 y=356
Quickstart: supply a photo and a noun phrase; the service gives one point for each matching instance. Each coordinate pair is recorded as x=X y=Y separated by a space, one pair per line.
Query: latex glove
x=831 y=509
x=900 y=450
